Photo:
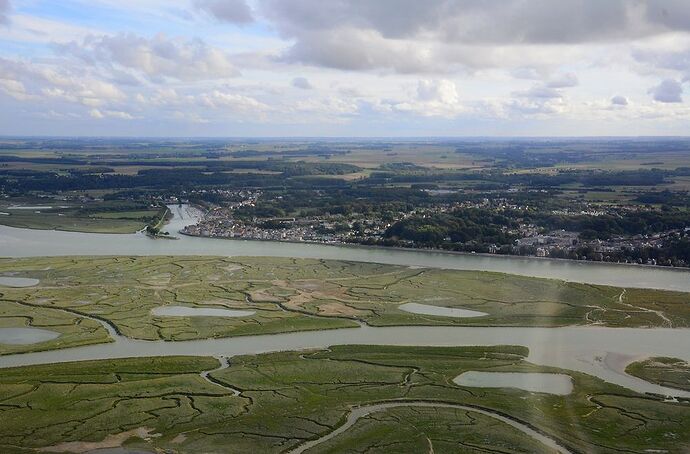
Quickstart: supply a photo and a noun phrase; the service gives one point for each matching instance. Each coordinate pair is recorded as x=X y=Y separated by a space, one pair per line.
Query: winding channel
x=598 y=351
x=360 y=412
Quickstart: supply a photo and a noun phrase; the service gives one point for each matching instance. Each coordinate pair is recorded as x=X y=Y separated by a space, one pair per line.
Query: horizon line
x=430 y=137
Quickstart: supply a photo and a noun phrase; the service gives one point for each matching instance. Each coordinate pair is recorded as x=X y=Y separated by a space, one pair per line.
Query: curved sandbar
x=427 y=309
x=580 y=349
x=537 y=382
x=185 y=311
x=360 y=412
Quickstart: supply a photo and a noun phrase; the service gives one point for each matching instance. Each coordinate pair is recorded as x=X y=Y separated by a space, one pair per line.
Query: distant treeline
x=181 y=178
x=643 y=177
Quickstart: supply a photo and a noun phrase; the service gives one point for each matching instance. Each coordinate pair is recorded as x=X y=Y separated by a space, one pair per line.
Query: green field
x=93 y=217
x=299 y=295
x=288 y=398
x=670 y=372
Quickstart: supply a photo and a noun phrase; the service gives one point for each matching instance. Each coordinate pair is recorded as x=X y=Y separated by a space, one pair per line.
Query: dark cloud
x=497 y=22
x=4 y=11
x=422 y=36
x=302 y=82
x=668 y=91
x=232 y=11
x=619 y=100
x=672 y=14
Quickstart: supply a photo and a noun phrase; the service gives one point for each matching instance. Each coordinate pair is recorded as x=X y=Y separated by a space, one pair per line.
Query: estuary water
x=17 y=242
x=599 y=351
x=584 y=349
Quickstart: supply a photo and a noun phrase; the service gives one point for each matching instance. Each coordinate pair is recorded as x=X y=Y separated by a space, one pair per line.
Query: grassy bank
x=92 y=217
x=300 y=294
x=671 y=372
x=287 y=398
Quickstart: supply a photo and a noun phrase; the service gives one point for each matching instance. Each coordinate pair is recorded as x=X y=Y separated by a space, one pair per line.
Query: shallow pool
x=10 y=281
x=427 y=309
x=25 y=336
x=184 y=311
x=559 y=384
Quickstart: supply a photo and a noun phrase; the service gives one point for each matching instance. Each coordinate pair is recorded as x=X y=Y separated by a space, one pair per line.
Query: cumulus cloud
x=157 y=57
x=220 y=99
x=302 y=82
x=668 y=91
x=619 y=101
x=443 y=91
x=467 y=59
x=87 y=91
x=4 y=11
x=437 y=97
x=232 y=11
x=31 y=81
x=530 y=107
x=118 y=114
x=15 y=89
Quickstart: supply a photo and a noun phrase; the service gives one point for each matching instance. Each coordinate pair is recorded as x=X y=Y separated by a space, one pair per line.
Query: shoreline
x=445 y=252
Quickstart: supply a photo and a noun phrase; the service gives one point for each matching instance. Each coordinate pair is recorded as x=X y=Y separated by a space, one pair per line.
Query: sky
x=340 y=68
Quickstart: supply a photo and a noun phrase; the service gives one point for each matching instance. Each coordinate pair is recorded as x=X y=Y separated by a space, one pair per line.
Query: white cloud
x=86 y=91
x=443 y=91
x=219 y=99
x=433 y=98
x=375 y=63
x=157 y=57
x=15 y=89
x=101 y=114
x=32 y=81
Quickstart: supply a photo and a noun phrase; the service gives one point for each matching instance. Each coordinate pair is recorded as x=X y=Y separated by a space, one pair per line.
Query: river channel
x=17 y=242
x=598 y=351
